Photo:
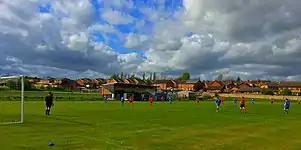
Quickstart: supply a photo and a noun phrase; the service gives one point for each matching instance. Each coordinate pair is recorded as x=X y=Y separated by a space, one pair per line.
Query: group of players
x=218 y=102
x=242 y=107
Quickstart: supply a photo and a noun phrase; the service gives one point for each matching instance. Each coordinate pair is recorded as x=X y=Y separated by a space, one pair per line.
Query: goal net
x=11 y=99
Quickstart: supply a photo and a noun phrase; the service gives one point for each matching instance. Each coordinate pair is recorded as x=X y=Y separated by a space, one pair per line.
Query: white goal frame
x=21 y=77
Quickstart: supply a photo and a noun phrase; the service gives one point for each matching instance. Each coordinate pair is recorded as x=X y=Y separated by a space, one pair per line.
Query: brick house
x=189 y=85
x=68 y=84
x=278 y=87
x=215 y=87
x=229 y=85
x=115 y=80
x=164 y=84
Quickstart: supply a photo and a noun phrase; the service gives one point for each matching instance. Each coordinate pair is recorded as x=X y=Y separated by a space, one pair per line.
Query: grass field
x=179 y=126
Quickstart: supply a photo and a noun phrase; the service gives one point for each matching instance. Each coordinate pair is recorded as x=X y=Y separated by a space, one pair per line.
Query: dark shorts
x=242 y=105
x=48 y=105
x=286 y=107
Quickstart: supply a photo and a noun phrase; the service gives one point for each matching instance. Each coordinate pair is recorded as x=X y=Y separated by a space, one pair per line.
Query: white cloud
x=116 y=17
x=252 y=39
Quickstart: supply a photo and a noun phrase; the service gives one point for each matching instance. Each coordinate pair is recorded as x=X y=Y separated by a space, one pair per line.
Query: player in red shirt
x=243 y=105
x=131 y=100
x=197 y=100
x=151 y=100
x=222 y=99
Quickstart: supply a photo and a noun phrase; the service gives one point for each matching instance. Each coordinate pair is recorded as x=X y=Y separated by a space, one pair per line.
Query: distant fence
x=41 y=98
x=260 y=96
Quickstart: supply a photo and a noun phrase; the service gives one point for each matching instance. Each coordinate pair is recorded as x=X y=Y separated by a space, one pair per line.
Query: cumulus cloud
x=247 y=38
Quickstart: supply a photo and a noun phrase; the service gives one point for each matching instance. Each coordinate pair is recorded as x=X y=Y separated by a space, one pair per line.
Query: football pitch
x=183 y=125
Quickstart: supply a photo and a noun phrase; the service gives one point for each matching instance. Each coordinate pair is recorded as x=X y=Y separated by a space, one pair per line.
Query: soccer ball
x=50 y=144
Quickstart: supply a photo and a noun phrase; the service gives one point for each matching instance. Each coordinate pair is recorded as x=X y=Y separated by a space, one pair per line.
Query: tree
x=264 y=91
x=27 y=84
x=150 y=76
x=185 y=76
x=133 y=76
x=238 y=79
x=11 y=84
x=286 y=92
x=143 y=77
x=121 y=75
x=148 y=82
x=49 y=87
x=114 y=76
x=154 y=76
x=220 y=77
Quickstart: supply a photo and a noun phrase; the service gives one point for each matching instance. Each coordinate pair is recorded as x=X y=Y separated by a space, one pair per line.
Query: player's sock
x=240 y=109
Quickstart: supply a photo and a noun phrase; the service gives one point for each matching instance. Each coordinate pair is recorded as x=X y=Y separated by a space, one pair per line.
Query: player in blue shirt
x=235 y=101
x=105 y=98
x=217 y=103
x=122 y=100
x=287 y=104
x=170 y=99
x=253 y=101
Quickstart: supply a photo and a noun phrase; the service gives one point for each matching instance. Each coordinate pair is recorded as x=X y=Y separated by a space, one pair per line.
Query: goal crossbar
x=21 y=77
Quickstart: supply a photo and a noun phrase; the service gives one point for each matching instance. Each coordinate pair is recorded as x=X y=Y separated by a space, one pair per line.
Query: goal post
x=11 y=99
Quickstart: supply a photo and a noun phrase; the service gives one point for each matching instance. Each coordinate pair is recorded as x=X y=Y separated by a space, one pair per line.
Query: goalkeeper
x=49 y=102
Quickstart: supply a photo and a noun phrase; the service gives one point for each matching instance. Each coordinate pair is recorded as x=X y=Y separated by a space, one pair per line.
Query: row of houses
x=228 y=86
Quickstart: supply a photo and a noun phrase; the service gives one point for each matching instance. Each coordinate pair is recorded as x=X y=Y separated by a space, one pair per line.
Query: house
x=115 y=80
x=229 y=85
x=189 y=85
x=99 y=81
x=278 y=87
x=165 y=84
x=42 y=83
x=129 y=81
x=178 y=84
x=139 y=81
x=85 y=82
x=215 y=87
x=68 y=84
x=33 y=80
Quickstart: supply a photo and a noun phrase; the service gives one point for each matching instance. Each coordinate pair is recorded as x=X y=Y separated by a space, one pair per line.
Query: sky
x=96 y=38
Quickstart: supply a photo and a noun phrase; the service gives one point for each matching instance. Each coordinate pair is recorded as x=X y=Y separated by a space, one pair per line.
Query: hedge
x=41 y=98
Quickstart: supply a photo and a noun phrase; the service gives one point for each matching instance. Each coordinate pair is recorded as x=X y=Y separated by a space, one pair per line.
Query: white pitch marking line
x=110 y=142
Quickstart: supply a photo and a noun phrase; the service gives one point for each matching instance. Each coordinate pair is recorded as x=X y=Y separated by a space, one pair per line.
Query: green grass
x=179 y=126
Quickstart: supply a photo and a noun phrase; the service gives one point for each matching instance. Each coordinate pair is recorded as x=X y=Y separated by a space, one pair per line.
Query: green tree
x=27 y=85
x=154 y=76
x=42 y=88
x=238 y=79
x=11 y=84
x=185 y=76
x=49 y=87
x=286 y=92
x=150 y=76
x=133 y=76
x=148 y=82
x=143 y=77
x=114 y=76
x=121 y=75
